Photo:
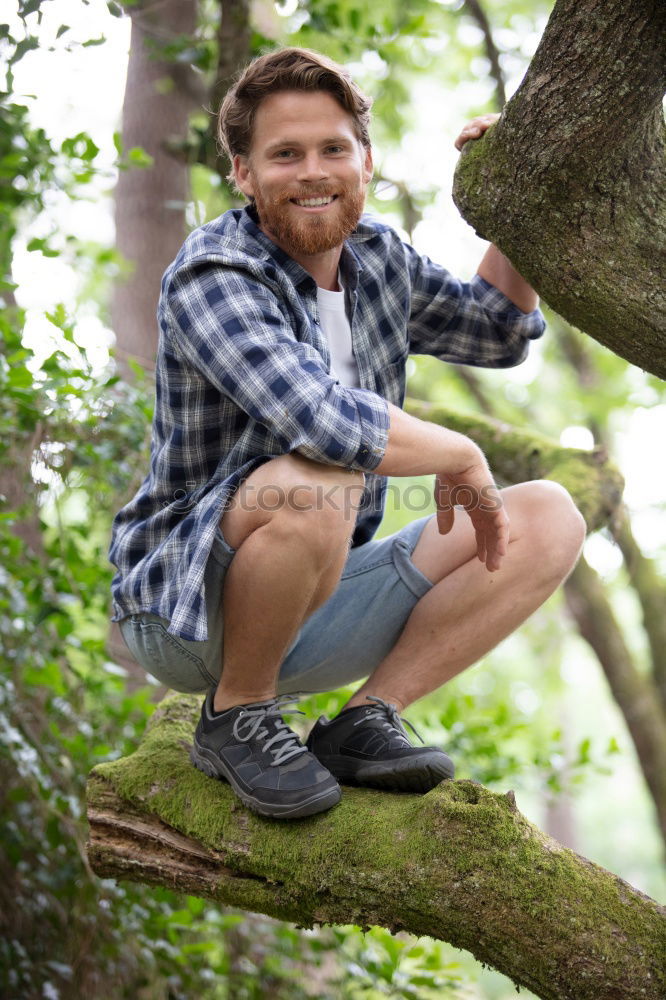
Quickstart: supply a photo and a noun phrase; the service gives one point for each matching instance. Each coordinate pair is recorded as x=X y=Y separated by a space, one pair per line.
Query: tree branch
x=651 y=591
x=634 y=693
x=515 y=456
x=644 y=577
x=460 y=864
x=410 y=211
x=476 y=11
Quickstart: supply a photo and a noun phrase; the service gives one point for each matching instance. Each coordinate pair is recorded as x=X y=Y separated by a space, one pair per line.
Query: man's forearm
x=417 y=448
x=500 y=272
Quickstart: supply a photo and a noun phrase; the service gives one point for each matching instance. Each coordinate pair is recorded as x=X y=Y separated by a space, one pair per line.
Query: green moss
x=460 y=863
x=516 y=455
x=571 y=218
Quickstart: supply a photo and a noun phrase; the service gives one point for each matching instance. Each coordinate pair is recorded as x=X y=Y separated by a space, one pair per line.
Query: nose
x=312 y=167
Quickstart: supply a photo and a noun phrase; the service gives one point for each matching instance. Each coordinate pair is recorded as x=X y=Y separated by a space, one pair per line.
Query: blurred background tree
x=583 y=747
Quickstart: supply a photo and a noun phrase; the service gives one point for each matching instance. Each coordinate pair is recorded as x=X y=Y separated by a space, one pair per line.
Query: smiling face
x=304 y=149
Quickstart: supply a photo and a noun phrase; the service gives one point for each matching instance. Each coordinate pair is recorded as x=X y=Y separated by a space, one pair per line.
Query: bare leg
x=469 y=610
x=283 y=569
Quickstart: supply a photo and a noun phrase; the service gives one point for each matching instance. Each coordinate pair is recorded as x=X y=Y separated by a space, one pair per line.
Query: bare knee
x=297 y=496
x=555 y=529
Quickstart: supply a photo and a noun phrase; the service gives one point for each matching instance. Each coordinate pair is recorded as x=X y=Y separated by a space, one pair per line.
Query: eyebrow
x=339 y=139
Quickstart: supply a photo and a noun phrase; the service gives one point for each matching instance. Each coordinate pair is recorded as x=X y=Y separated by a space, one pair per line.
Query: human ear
x=243 y=175
x=367 y=166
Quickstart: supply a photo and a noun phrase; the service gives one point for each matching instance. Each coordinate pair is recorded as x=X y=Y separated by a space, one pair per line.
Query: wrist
x=463 y=453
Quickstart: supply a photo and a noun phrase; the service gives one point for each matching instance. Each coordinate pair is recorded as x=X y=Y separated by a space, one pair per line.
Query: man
x=247 y=564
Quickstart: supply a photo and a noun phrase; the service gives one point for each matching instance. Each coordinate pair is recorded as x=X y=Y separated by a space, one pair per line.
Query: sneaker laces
x=248 y=724
x=386 y=713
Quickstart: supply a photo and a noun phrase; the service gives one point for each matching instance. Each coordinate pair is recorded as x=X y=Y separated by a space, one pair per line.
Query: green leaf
x=43 y=247
x=81 y=146
x=138 y=157
x=27 y=7
x=25 y=45
x=20 y=377
x=584 y=751
x=58 y=317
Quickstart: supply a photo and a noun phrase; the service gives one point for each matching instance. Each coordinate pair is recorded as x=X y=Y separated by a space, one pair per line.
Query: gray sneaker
x=270 y=770
x=368 y=745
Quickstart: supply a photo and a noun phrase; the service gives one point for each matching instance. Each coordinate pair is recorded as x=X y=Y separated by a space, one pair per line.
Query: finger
x=487 y=547
x=469 y=132
x=481 y=549
x=503 y=536
x=497 y=551
x=445 y=516
x=493 y=562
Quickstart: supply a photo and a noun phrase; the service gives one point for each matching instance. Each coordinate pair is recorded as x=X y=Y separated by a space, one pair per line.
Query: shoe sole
x=406 y=775
x=212 y=765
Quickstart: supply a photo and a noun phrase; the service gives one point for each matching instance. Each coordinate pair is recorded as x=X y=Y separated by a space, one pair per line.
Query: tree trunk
x=570 y=183
x=460 y=864
x=150 y=201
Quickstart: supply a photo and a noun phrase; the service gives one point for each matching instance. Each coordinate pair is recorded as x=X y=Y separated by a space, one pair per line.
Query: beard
x=310 y=234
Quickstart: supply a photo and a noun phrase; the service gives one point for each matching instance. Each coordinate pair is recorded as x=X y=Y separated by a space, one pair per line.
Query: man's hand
x=475 y=129
x=475 y=491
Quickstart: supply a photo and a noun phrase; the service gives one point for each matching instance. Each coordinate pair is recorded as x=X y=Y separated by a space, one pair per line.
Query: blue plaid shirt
x=243 y=375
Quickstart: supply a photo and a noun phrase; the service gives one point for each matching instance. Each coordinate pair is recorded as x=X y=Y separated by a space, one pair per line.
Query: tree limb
x=476 y=11
x=651 y=591
x=460 y=864
x=634 y=693
x=516 y=456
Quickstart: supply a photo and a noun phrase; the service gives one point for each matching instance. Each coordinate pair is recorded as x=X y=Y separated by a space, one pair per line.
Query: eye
x=338 y=149
x=283 y=153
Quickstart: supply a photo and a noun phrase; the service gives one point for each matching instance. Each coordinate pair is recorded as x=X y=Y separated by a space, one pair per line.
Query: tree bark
x=570 y=183
x=515 y=456
x=460 y=864
x=150 y=201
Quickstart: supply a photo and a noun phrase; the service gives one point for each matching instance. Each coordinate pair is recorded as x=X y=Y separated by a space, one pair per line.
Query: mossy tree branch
x=460 y=864
x=516 y=455
x=570 y=183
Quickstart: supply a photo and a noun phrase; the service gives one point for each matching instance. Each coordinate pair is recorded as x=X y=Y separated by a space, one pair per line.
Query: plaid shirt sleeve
x=231 y=328
x=470 y=323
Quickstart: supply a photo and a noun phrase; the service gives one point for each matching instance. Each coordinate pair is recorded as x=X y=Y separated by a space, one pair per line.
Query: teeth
x=313 y=202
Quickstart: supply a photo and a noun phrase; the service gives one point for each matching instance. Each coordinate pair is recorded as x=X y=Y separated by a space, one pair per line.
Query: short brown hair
x=286 y=69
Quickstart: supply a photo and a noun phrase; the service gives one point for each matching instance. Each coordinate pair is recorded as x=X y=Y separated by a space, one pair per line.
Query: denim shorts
x=343 y=641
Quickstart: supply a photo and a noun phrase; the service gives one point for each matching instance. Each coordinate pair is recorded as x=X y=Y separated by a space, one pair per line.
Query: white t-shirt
x=336 y=327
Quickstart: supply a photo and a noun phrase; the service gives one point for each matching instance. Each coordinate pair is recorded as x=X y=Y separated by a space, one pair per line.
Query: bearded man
x=247 y=566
